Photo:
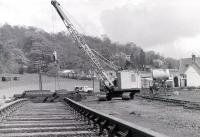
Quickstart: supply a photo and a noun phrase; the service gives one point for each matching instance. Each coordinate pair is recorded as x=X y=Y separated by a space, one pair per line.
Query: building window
x=184 y=76
x=133 y=78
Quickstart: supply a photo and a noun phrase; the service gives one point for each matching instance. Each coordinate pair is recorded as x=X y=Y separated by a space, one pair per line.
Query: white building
x=190 y=72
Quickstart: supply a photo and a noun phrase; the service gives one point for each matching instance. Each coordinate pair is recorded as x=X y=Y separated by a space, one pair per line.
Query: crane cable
x=57 y=84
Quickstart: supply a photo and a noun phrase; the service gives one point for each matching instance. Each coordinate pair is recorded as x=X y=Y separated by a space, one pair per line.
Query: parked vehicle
x=85 y=89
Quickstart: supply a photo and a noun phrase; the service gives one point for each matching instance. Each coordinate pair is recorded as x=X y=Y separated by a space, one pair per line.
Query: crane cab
x=128 y=80
x=126 y=84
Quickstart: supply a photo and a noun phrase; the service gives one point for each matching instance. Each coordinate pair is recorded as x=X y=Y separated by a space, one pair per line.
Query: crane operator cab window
x=133 y=78
x=115 y=82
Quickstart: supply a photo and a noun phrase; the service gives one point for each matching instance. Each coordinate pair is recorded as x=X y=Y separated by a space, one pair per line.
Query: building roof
x=186 y=62
x=196 y=67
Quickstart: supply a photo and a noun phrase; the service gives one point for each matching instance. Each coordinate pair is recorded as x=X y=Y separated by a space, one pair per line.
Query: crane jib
x=82 y=44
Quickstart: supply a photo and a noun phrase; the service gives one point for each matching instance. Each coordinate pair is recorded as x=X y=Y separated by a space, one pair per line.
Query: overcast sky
x=170 y=27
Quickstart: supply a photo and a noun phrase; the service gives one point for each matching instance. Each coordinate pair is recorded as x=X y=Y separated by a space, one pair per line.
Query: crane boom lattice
x=77 y=37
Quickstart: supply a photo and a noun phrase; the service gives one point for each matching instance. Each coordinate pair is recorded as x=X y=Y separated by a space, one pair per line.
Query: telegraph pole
x=39 y=74
x=55 y=58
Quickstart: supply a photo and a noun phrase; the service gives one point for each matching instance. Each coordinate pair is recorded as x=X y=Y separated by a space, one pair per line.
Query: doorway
x=176 y=81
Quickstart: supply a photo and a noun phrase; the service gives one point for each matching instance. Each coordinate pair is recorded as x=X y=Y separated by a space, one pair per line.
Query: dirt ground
x=171 y=120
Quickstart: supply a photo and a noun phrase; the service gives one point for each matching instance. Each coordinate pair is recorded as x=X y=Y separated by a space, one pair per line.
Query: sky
x=170 y=27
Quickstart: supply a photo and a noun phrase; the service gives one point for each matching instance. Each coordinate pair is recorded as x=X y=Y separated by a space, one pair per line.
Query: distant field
x=30 y=82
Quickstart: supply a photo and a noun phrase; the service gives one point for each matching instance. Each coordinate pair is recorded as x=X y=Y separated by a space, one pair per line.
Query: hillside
x=22 y=46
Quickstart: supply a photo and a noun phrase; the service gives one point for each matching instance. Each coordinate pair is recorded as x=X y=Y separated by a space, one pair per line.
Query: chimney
x=193 y=58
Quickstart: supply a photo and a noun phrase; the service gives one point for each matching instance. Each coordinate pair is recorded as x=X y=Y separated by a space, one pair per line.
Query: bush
x=52 y=73
x=21 y=70
x=32 y=68
x=3 y=79
x=6 y=79
x=52 y=70
x=191 y=88
x=15 y=78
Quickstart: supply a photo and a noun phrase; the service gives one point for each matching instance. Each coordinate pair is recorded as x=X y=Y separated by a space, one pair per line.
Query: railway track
x=184 y=103
x=43 y=120
x=24 y=118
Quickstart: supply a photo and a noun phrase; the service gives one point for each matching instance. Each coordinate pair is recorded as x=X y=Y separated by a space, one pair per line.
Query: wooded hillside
x=23 y=46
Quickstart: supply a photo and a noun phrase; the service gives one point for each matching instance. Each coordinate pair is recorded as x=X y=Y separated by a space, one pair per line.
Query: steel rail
x=106 y=125
x=184 y=103
x=7 y=109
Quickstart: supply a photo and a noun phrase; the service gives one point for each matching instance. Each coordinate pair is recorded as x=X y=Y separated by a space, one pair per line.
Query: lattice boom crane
x=126 y=83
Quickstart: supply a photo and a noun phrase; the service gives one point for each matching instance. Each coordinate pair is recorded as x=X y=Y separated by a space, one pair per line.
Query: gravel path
x=165 y=118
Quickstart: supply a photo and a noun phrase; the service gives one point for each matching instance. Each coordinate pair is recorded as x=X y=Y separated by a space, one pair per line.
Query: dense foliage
x=25 y=46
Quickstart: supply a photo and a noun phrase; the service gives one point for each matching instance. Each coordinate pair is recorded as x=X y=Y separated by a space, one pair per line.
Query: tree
x=127 y=65
x=142 y=59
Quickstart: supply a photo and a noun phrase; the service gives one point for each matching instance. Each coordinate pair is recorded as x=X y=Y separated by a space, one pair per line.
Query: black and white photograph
x=99 y=68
